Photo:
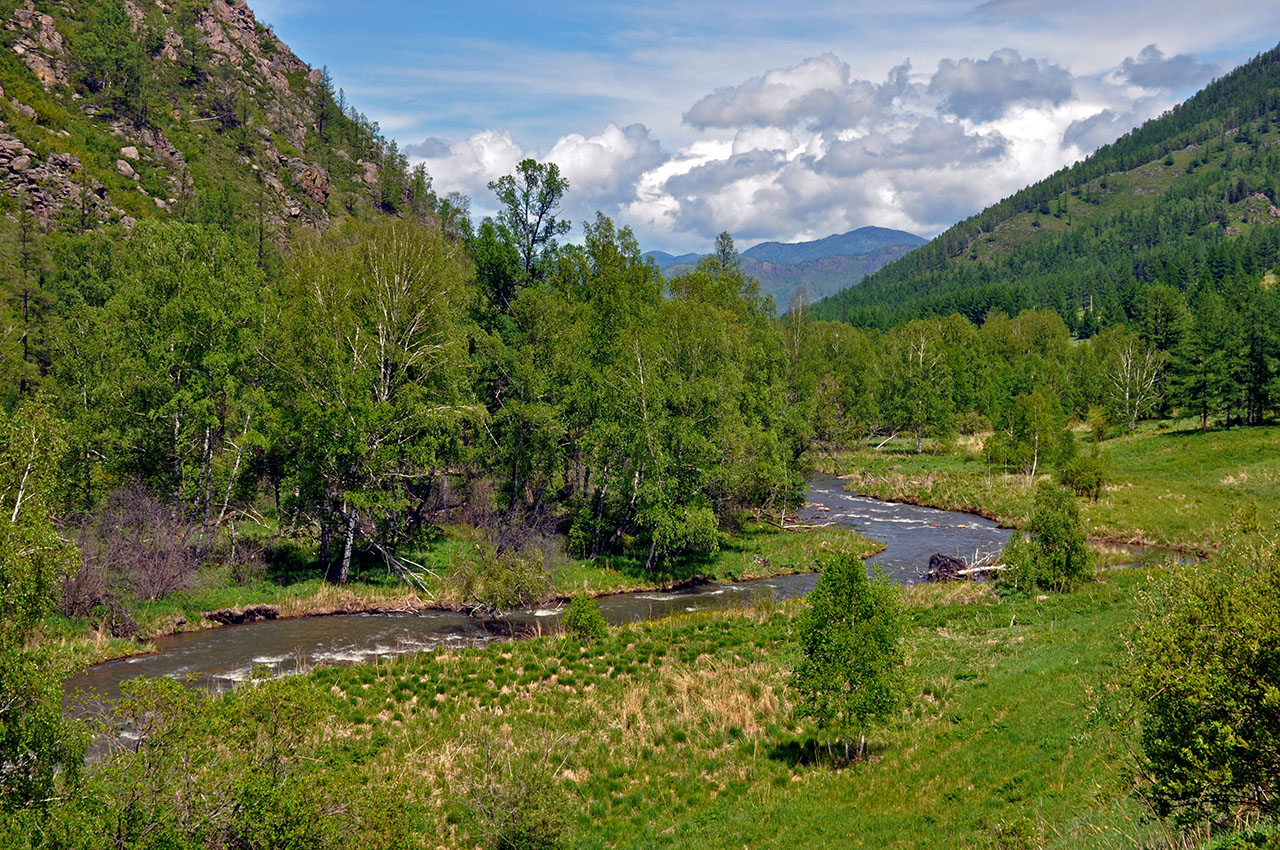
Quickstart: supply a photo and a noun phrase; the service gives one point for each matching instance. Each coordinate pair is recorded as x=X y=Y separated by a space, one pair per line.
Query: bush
x=516 y=801
x=851 y=667
x=1203 y=672
x=1084 y=475
x=500 y=581
x=584 y=619
x=1054 y=557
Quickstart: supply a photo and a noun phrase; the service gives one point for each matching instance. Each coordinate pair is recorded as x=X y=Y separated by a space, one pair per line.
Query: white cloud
x=607 y=166
x=806 y=150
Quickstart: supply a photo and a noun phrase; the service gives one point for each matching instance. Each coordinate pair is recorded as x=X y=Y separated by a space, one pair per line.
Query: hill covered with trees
x=1189 y=201
x=813 y=269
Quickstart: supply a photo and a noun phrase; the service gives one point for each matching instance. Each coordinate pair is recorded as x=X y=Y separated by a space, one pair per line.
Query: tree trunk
x=339 y=573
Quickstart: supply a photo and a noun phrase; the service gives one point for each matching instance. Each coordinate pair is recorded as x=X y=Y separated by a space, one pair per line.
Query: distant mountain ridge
x=821 y=267
x=864 y=240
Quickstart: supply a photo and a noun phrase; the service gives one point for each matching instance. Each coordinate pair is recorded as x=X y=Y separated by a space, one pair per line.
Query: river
x=220 y=658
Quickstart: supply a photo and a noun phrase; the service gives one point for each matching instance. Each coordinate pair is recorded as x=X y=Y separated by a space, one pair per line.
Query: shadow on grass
x=809 y=751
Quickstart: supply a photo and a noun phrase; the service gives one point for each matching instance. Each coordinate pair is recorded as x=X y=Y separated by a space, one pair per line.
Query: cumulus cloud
x=1153 y=70
x=818 y=91
x=983 y=89
x=603 y=170
x=608 y=165
x=429 y=148
x=928 y=142
x=804 y=151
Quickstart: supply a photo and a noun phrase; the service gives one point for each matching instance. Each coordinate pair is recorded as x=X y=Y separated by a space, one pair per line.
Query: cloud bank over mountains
x=803 y=151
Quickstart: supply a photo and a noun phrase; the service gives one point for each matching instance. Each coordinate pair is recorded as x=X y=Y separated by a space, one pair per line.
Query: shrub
x=851 y=668
x=1084 y=475
x=516 y=802
x=584 y=619
x=1203 y=672
x=1054 y=557
x=499 y=581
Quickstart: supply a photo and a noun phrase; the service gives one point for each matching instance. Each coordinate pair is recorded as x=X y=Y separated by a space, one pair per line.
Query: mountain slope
x=864 y=240
x=1188 y=200
x=111 y=110
x=821 y=267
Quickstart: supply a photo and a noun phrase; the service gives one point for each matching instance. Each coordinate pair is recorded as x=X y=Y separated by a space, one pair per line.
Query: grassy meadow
x=1170 y=484
x=680 y=733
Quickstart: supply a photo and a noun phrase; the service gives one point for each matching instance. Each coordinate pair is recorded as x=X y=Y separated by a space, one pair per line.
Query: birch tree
x=1131 y=373
x=372 y=378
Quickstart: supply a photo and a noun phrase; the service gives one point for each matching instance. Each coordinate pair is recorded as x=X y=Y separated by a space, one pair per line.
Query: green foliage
x=36 y=742
x=371 y=372
x=1033 y=435
x=1054 y=557
x=1085 y=475
x=499 y=580
x=528 y=220
x=850 y=673
x=584 y=620
x=1202 y=671
x=516 y=802
x=252 y=769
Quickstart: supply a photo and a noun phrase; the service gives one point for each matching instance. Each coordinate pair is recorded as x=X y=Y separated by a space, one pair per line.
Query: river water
x=220 y=658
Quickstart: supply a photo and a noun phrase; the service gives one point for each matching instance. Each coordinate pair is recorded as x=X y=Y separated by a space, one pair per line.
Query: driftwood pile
x=947 y=568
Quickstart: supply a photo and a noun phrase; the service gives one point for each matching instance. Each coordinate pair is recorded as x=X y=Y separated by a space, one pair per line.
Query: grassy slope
x=1170 y=484
x=680 y=733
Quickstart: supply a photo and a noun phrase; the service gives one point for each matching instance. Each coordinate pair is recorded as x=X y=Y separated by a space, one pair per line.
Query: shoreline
x=1005 y=522
x=413 y=605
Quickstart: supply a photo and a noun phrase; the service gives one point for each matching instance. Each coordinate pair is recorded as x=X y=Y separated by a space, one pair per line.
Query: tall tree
x=1132 y=372
x=529 y=218
x=372 y=376
x=36 y=742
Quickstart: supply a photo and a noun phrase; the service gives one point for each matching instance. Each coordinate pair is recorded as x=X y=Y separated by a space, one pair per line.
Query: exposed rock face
x=50 y=186
x=39 y=45
x=244 y=63
x=312 y=179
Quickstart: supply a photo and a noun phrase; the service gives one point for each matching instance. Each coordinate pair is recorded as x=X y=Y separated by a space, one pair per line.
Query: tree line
x=359 y=387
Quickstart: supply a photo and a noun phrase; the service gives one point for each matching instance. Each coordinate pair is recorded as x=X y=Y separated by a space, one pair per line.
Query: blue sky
x=779 y=121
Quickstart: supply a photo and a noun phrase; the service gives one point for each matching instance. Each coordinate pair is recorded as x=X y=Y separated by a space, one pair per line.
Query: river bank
x=765 y=563
x=1169 y=484
x=759 y=551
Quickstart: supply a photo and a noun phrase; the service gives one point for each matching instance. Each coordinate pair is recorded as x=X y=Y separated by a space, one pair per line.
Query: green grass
x=1171 y=485
x=681 y=733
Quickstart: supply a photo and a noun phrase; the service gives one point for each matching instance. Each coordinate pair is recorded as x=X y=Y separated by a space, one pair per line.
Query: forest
x=354 y=391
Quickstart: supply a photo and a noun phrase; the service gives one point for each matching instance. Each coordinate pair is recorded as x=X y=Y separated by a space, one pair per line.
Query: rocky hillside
x=111 y=110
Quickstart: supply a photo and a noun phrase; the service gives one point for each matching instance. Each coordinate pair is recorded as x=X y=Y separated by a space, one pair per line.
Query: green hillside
x=1188 y=200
